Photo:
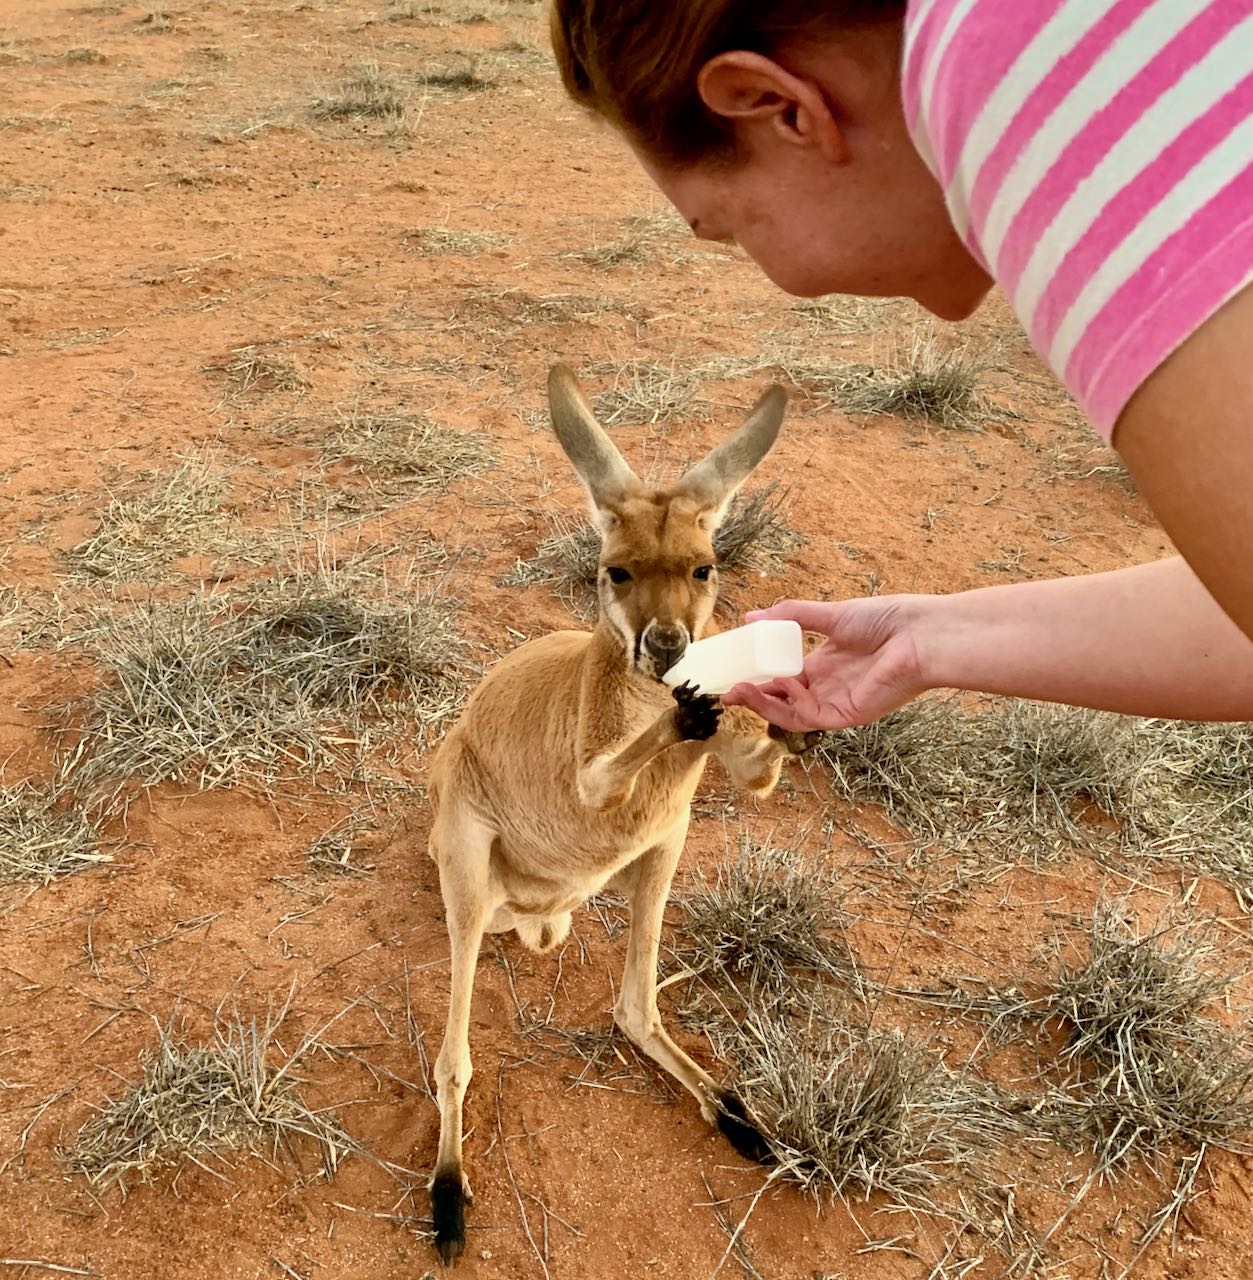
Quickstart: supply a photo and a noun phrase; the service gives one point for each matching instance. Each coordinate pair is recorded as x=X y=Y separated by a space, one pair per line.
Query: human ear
x=746 y=87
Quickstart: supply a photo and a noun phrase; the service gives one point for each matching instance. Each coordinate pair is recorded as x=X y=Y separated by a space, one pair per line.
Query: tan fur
x=567 y=770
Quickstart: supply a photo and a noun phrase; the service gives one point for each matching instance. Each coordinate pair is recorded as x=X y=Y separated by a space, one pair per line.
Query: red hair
x=636 y=62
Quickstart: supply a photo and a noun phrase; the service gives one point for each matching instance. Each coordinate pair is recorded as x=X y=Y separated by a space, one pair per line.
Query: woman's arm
x=1147 y=641
x=1150 y=641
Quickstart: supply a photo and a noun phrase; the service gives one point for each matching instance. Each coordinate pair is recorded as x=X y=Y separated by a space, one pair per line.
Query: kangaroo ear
x=712 y=482
x=603 y=470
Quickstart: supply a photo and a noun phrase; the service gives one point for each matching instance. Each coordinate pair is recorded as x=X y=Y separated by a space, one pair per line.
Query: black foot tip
x=741 y=1132
x=448 y=1210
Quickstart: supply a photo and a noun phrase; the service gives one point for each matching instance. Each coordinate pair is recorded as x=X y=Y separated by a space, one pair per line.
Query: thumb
x=812 y=615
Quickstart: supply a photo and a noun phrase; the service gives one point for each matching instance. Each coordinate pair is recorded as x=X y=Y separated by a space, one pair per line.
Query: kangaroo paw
x=448 y=1209
x=741 y=1131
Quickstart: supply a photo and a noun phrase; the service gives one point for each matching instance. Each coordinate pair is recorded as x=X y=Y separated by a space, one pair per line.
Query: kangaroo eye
x=702 y=572
x=617 y=575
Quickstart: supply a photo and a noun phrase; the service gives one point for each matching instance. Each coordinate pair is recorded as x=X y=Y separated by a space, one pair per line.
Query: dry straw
x=305 y=676
x=139 y=536
x=202 y=1104
x=45 y=833
x=405 y=450
x=1010 y=781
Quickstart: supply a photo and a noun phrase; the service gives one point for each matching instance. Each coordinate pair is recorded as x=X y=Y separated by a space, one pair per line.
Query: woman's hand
x=866 y=666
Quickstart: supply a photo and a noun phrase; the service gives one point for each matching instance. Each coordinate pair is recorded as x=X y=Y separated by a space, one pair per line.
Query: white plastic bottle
x=752 y=654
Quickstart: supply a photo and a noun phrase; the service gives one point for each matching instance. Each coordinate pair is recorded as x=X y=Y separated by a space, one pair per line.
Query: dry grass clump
x=45 y=833
x=1184 y=792
x=251 y=371
x=767 y=925
x=567 y=559
x=1098 y=464
x=336 y=848
x=514 y=309
x=753 y=534
x=847 y=316
x=1150 y=1065
x=644 y=235
x=851 y=1110
x=1018 y=779
x=202 y=1103
x=139 y=536
x=408 y=450
x=645 y=393
x=215 y=692
x=1008 y=781
x=450 y=240
x=922 y=380
x=452 y=80
x=367 y=93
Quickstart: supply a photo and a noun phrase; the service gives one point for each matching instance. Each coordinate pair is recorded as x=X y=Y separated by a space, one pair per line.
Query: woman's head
x=779 y=126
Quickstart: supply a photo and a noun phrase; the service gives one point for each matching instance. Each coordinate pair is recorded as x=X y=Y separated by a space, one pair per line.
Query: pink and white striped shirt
x=1097 y=159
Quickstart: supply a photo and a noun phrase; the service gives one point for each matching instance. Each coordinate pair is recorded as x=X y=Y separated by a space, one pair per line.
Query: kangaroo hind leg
x=461 y=844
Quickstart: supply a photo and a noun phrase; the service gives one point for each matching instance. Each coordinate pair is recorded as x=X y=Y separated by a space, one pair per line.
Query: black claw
x=448 y=1209
x=740 y=1131
x=697 y=715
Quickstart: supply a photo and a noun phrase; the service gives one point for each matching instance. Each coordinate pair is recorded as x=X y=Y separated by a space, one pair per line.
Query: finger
x=735 y=696
x=812 y=615
x=776 y=710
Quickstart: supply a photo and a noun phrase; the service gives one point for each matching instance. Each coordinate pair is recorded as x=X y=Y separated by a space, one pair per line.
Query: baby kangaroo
x=573 y=766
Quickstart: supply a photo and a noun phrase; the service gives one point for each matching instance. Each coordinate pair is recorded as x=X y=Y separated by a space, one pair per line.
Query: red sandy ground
x=175 y=200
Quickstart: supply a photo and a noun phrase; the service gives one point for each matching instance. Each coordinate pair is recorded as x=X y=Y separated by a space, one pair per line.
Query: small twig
x=513 y=1182
x=47 y=1266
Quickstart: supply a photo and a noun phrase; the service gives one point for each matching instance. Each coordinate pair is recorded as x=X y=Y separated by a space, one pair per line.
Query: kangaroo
x=572 y=767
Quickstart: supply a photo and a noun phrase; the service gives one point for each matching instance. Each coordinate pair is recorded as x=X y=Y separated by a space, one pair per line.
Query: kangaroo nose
x=666 y=643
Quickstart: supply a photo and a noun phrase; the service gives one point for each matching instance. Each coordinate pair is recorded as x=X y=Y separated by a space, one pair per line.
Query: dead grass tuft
x=336 y=849
x=846 y=315
x=1150 y=1066
x=852 y=1110
x=408 y=450
x=767 y=925
x=139 y=536
x=753 y=535
x=201 y=1104
x=1145 y=1065
x=643 y=239
x=921 y=380
x=1000 y=784
x=1183 y=792
x=1015 y=780
x=305 y=677
x=645 y=393
x=456 y=80
x=251 y=371
x=45 y=833
x=568 y=559
x=449 y=240
x=85 y=56
x=515 y=309
x=367 y=93
x=1095 y=464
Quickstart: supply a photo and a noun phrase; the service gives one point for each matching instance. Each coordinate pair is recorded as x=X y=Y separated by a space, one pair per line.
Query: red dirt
x=176 y=200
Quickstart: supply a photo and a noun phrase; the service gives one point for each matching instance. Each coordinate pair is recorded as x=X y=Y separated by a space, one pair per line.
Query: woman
x=1092 y=157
